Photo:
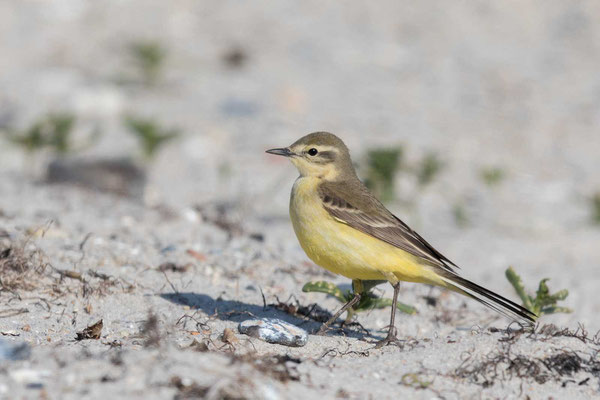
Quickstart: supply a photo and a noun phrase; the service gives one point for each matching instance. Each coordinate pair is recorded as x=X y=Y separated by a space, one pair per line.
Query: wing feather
x=366 y=214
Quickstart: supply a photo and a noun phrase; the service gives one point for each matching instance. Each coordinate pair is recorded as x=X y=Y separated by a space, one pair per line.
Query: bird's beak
x=281 y=152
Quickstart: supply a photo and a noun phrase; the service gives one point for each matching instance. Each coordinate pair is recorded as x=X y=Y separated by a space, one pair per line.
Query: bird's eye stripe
x=328 y=155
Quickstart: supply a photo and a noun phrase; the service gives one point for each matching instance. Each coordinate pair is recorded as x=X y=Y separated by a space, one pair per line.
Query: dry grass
x=23 y=267
x=26 y=268
x=503 y=366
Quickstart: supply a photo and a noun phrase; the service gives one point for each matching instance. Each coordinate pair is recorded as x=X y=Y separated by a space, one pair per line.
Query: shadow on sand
x=229 y=310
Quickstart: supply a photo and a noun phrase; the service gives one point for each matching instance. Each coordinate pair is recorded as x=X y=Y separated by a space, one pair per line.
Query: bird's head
x=319 y=154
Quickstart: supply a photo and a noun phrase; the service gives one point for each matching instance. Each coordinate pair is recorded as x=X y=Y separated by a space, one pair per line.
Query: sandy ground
x=480 y=85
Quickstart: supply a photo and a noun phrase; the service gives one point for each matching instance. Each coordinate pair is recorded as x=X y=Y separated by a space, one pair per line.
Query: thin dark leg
x=352 y=302
x=391 y=336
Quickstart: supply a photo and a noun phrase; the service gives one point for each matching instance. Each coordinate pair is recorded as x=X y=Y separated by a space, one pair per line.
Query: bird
x=344 y=228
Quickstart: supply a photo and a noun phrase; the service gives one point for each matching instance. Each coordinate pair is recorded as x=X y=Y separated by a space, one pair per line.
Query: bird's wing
x=366 y=214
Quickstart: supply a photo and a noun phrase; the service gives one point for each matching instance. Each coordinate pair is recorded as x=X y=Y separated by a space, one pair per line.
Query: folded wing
x=366 y=214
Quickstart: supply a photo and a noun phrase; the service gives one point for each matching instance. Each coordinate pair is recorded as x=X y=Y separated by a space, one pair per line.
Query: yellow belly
x=344 y=250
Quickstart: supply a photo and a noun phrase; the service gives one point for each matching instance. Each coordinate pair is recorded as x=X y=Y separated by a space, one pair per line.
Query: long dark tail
x=490 y=299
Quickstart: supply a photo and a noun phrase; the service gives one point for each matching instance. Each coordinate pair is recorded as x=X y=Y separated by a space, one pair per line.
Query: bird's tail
x=490 y=299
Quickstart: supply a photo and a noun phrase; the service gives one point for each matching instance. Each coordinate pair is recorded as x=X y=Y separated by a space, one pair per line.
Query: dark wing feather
x=366 y=214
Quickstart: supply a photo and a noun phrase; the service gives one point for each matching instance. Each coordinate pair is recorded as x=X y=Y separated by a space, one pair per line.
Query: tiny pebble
x=14 y=350
x=274 y=330
x=31 y=377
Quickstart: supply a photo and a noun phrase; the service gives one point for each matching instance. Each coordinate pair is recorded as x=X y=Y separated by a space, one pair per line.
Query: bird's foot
x=391 y=338
x=323 y=330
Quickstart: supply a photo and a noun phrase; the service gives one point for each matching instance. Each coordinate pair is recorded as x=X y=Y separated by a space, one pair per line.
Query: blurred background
x=477 y=123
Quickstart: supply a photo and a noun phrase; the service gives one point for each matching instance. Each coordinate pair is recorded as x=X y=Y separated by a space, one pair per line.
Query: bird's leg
x=357 y=289
x=391 y=336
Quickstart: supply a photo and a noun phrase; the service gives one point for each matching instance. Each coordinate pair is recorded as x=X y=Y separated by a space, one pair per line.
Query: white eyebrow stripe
x=327 y=148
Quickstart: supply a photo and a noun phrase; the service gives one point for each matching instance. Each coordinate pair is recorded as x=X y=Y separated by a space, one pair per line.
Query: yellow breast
x=342 y=249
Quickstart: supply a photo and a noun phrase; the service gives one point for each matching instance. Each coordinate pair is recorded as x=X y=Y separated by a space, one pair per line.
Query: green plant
x=61 y=128
x=595 y=203
x=150 y=135
x=414 y=380
x=51 y=131
x=149 y=58
x=543 y=302
x=368 y=301
x=383 y=165
x=492 y=176
x=428 y=168
x=459 y=213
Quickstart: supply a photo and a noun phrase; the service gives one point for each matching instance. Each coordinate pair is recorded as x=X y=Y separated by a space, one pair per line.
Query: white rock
x=274 y=330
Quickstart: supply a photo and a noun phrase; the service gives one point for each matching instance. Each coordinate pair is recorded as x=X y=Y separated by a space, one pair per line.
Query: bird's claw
x=391 y=338
x=323 y=330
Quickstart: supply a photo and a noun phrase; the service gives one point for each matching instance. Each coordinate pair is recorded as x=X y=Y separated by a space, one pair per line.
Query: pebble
x=13 y=350
x=274 y=330
x=120 y=176
x=31 y=378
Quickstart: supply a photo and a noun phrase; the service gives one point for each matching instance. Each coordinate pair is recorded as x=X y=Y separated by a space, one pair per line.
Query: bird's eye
x=312 y=152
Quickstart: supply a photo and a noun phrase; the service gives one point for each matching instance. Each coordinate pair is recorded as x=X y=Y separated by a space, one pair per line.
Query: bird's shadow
x=237 y=311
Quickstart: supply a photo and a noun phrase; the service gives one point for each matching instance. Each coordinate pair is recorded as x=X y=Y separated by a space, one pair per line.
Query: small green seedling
x=51 y=131
x=595 y=203
x=149 y=58
x=61 y=126
x=368 y=300
x=459 y=212
x=414 y=380
x=383 y=165
x=150 y=135
x=428 y=168
x=543 y=302
x=492 y=176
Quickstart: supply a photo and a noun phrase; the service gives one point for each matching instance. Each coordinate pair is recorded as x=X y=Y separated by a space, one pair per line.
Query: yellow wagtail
x=343 y=228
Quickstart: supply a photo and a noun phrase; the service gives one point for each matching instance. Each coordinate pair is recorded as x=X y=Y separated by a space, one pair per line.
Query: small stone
x=274 y=330
x=119 y=176
x=33 y=379
x=13 y=350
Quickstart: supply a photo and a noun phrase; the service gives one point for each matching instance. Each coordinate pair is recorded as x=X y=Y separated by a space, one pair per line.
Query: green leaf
x=368 y=285
x=380 y=302
x=368 y=300
x=595 y=205
x=544 y=302
x=52 y=130
x=325 y=287
x=406 y=309
x=413 y=380
x=349 y=314
x=60 y=127
x=348 y=295
x=492 y=176
x=428 y=168
x=149 y=57
x=517 y=283
x=383 y=164
x=459 y=211
x=560 y=295
x=150 y=135
x=555 y=309
x=543 y=290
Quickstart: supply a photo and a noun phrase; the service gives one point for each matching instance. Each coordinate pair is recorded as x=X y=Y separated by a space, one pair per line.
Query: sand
x=209 y=244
